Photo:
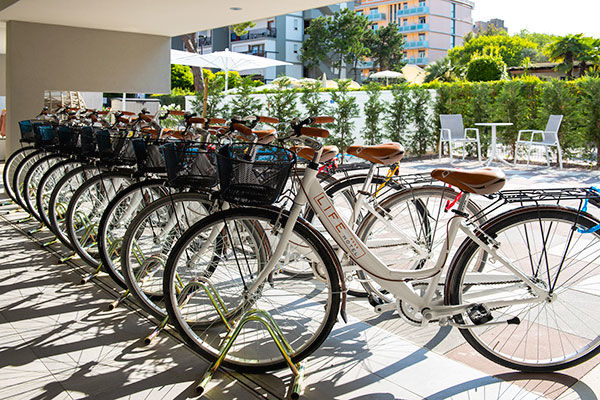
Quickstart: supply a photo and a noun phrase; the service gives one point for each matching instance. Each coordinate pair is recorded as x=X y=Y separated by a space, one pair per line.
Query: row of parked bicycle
x=215 y=229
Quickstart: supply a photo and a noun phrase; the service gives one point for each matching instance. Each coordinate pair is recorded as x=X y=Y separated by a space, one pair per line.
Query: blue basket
x=26 y=128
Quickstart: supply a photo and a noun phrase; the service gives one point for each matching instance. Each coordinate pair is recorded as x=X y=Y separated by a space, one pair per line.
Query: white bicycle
x=523 y=288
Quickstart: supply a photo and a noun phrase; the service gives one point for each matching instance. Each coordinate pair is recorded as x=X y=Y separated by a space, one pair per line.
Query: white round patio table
x=493 y=144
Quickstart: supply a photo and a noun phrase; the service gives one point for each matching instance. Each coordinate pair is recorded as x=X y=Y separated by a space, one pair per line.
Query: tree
x=215 y=83
x=344 y=110
x=490 y=30
x=486 y=67
x=314 y=47
x=510 y=48
x=372 y=110
x=340 y=38
x=181 y=77
x=422 y=139
x=282 y=103
x=398 y=115
x=313 y=103
x=386 y=46
x=242 y=104
x=567 y=50
x=192 y=45
x=441 y=70
x=242 y=28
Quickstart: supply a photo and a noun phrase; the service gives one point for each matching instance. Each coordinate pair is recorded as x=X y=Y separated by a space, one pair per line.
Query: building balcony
x=415 y=44
x=413 y=11
x=417 y=61
x=413 y=28
x=364 y=64
x=205 y=41
x=255 y=34
x=376 y=17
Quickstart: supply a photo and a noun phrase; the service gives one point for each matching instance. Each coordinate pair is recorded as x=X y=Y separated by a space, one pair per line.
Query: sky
x=557 y=17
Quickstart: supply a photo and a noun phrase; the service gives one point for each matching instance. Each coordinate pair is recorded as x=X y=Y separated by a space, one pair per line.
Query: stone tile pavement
x=59 y=341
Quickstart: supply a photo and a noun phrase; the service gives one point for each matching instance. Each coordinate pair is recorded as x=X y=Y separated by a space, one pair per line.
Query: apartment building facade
x=430 y=27
x=278 y=38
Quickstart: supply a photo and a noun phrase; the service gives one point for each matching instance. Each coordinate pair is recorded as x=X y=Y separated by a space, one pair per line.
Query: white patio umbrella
x=387 y=75
x=232 y=61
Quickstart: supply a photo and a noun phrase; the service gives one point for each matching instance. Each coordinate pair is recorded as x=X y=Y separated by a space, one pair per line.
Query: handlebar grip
x=268 y=120
x=215 y=121
x=323 y=119
x=196 y=120
x=314 y=132
x=177 y=112
x=124 y=120
x=242 y=128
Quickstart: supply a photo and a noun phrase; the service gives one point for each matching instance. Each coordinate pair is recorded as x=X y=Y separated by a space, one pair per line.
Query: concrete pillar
x=43 y=57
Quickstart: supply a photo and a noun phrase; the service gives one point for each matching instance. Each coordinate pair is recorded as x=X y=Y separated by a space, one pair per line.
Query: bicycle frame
x=394 y=281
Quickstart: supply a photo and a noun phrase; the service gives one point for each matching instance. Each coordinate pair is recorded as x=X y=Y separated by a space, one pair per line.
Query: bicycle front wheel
x=213 y=265
x=545 y=244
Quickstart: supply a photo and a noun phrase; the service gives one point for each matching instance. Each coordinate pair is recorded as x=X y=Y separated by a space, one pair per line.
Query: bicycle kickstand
x=118 y=301
x=87 y=278
x=148 y=339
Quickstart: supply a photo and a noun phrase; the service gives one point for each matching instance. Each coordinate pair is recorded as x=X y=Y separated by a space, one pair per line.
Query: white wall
x=2 y=74
x=43 y=57
x=361 y=99
x=294 y=28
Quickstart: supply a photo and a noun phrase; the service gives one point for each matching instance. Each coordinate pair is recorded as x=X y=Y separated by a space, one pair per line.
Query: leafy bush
x=590 y=106
x=312 y=102
x=483 y=68
x=397 y=117
x=372 y=110
x=344 y=110
x=282 y=103
x=242 y=103
x=422 y=139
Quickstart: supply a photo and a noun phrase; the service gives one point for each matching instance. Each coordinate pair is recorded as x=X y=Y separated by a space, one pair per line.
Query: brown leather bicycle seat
x=174 y=133
x=329 y=152
x=265 y=136
x=388 y=153
x=478 y=181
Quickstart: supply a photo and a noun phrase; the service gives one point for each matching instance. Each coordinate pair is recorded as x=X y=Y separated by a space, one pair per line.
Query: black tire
x=47 y=185
x=21 y=170
x=321 y=299
x=32 y=180
x=89 y=202
x=61 y=197
x=109 y=253
x=10 y=167
x=516 y=232
x=155 y=252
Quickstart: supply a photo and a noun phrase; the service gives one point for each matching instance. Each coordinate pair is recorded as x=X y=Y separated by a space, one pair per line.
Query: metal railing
x=413 y=11
x=255 y=34
x=413 y=28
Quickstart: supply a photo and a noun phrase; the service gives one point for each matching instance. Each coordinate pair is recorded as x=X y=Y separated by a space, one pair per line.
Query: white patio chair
x=549 y=138
x=453 y=130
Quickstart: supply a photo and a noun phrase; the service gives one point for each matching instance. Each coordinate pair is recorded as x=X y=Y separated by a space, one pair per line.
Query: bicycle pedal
x=374 y=300
x=479 y=314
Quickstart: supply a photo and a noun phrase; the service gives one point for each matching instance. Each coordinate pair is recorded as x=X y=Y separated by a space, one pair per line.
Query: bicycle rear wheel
x=33 y=179
x=47 y=185
x=18 y=180
x=544 y=243
x=222 y=255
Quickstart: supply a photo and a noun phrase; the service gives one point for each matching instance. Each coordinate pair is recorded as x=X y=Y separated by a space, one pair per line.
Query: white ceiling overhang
x=156 y=17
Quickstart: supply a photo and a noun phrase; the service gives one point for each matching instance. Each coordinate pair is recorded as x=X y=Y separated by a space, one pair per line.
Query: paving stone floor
x=59 y=341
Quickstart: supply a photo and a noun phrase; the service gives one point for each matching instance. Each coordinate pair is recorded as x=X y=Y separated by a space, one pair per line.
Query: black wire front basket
x=44 y=136
x=253 y=174
x=115 y=148
x=190 y=164
x=149 y=155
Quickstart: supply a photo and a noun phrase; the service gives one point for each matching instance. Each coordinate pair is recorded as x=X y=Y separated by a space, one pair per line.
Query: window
x=421 y=37
x=373 y=10
x=421 y=53
x=295 y=48
x=453 y=10
x=270 y=24
x=422 y=20
x=256 y=49
x=405 y=21
x=422 y=3
x=405 y=54
x=295 y=24
x=405 y=6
